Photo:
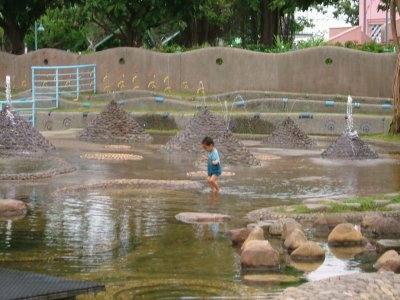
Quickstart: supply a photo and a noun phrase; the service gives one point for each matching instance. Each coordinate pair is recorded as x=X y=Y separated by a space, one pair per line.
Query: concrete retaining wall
x=304 y=71
x=323 y=124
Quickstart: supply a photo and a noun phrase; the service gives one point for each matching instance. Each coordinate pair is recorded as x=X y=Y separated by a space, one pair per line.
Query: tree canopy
x=78 y=24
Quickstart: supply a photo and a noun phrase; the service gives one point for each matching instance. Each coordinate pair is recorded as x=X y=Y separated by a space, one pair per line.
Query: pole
x=365 y=17
x=387 y=25
x=35 y=36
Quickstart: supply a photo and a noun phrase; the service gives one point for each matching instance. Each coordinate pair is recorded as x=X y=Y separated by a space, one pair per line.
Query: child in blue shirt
x=214 y=163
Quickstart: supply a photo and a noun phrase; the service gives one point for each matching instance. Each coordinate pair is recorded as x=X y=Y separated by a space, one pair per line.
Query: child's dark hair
x=207 y=141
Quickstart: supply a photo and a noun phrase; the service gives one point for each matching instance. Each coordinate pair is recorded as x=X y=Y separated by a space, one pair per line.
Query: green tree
x=129 y=21
x=349 y=9
x=65 y=28
x=16 y=17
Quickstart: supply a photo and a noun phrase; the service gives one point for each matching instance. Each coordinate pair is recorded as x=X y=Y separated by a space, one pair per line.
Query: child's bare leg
x=210 y=183
x=214 y=182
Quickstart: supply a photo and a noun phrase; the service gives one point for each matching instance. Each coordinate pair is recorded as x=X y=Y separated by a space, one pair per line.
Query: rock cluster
x=231 y=150
x=370 y=286
x=18 y=135
x=114 y=125
x=288 y=135
x=349 y=146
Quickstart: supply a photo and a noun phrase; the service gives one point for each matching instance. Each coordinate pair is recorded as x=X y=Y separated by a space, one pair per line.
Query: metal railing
x=24 y=107
x=50 y=82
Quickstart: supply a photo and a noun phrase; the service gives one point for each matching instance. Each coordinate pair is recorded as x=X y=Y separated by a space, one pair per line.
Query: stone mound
x=288 y=135
x=17 y=135
x=349 y=146
x=111 y=156
x=114 y=124
x=205 y=123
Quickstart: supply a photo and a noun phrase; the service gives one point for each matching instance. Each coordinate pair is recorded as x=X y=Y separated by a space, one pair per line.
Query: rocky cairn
x=205 y=123
x=114 y=125
x=288 y=135
x=18 y=135
x=349 y=146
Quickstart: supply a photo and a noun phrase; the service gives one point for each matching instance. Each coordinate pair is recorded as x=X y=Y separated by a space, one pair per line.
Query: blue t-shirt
x=214 y=169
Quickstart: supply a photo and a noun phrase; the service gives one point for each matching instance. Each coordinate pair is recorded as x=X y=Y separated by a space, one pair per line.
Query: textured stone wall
x=324 y=124
x=304 y=71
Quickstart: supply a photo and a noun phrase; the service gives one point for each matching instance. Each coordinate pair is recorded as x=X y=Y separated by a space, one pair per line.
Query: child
x=214 y=163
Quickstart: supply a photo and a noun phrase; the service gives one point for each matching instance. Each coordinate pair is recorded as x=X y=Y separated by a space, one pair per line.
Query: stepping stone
x=318 y=200
x=392 y=195
x=195 y=217
x=270 y=278
x=351 y=205
x=265 y=225
x=385 y=245
x=12 y=208
x=381 y=202
x=393 y=206
x=318 y=207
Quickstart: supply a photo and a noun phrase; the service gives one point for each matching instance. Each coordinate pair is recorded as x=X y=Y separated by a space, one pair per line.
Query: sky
x=322 y=21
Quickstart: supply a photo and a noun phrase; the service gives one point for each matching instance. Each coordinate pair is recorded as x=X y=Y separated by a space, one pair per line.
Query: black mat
x=26 y=285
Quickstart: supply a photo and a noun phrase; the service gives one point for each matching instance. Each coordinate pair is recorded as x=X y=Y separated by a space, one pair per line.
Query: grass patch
x=366 y=204
x=395 y=139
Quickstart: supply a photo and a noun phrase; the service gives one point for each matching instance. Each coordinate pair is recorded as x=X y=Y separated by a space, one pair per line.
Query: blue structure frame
x=49 y=82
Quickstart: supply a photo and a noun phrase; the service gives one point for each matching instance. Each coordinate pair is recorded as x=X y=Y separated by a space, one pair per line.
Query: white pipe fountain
x=9 y=115
x=349 y=119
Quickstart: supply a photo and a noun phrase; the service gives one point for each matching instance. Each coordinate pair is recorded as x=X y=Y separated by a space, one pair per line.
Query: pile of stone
x=349 y=146
x=114 y=125
x=18 y=135
x=288 y=135
x=231 y=150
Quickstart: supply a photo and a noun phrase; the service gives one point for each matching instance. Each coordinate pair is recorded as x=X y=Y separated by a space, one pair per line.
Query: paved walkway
x=369 y=286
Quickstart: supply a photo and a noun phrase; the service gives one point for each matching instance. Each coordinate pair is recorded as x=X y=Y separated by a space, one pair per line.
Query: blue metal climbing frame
x=50 y=82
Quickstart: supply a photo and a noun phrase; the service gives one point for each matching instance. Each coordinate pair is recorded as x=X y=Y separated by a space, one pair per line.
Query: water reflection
x=130 y=237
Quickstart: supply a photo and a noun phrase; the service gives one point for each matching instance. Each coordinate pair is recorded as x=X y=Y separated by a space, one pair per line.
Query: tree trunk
x=393 y=14
x=269 y=23
x=16 y=38
x=395 y=125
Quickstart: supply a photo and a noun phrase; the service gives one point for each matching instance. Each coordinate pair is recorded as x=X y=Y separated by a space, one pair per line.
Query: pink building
x=371 y=27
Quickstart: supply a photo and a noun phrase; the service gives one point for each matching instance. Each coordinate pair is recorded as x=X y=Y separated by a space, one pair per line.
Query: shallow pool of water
x=130 y=240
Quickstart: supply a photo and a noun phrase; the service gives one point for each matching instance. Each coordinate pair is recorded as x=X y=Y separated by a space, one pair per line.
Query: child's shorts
x=214 y=170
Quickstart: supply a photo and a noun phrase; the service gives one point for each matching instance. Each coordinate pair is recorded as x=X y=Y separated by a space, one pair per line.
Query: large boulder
x=369 y=219
x=259 y=254
x=323 y=225
x=295 y=239
x=197 y=217
x=345 y=235
x=289 y=225
x=255 y=234
x=308 y=251
x=391 y=265
x=276 y=228
x=12 y=208
x=386 y=226
x=388 y=255
x=238 y=236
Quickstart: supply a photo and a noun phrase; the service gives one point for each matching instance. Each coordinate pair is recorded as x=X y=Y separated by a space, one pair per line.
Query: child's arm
x=215 y=159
